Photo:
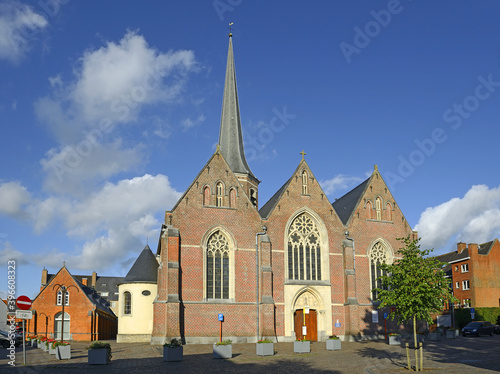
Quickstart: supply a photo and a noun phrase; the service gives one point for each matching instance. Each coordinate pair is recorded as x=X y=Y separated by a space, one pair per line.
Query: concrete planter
x=265 y=349
x=45 y=347
x=451 y=334
x=52 y=350
x=171 y=354
x=394 y=339
x=435 y=336
x=333 y=344
x=223 y=351
x=63 y=352
x=302 y=346
x=99 y=356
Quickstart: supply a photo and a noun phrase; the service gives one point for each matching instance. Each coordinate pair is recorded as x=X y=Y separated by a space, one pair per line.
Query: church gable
x=301 y=190
x=216 y=186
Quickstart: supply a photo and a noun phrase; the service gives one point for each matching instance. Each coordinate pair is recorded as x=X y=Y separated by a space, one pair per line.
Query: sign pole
x=220 y=337
x=24 y=343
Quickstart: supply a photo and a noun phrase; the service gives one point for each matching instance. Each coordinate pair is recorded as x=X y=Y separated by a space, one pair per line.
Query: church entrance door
x=310 y=322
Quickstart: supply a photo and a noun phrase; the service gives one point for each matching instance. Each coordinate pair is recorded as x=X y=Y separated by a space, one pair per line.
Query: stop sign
x=23 y=302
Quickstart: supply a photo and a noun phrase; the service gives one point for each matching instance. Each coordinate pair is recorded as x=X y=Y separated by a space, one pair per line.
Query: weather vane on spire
x=230 y=29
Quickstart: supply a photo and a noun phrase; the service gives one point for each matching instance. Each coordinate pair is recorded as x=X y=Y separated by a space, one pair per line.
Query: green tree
x=415 y=285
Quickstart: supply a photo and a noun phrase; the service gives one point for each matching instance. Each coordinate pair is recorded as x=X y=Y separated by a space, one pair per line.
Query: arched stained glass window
x=217 y=266
x=304 y=249
x=378 y=255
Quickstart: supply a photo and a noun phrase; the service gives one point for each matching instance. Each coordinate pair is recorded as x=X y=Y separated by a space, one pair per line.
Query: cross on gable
x=303 y=154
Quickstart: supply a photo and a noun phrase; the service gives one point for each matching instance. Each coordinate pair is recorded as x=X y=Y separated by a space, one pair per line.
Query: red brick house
x=297 y=266
x=87 y=315
x=475 y=273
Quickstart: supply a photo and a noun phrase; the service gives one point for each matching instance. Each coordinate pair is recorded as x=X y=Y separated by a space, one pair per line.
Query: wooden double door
x=309 y=320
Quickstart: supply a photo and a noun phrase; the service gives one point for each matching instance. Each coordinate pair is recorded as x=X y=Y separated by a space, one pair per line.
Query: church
x=296 y=266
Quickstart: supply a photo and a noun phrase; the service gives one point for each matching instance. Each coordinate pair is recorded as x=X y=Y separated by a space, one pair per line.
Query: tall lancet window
x=219 y=194
x=304 y=249
x=378 y=208
x=305 y=187
x=379 y=255
x=217 y=266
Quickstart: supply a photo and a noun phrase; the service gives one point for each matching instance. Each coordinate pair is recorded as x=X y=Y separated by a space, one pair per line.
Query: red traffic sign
x=23 y=302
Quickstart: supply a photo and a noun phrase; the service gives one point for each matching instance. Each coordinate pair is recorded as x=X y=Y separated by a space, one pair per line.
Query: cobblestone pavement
x=461 y=355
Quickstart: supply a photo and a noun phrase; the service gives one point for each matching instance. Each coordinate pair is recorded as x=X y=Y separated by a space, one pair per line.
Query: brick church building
x=295 y=266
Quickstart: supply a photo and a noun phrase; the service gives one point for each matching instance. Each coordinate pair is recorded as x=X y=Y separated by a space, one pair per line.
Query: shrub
x=224 y=342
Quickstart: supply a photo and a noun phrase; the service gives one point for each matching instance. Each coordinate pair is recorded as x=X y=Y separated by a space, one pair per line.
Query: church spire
x=230 y=137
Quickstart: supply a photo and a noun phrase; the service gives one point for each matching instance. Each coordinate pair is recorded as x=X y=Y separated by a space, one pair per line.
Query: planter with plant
x=50 y=346
x=394 y=339
x=302 y=346
x=265 y=347
x=99 y=353
x=333 y=343
x=451 y=333
x=33 y=340
x=173 y=351
x=63 y=350
x=223 y=349
x=43 y=344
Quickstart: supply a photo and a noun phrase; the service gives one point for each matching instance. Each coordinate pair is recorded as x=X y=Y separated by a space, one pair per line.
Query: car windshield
x=474 y=324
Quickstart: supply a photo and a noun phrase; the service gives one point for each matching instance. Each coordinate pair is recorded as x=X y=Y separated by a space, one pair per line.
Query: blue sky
x=108 y=110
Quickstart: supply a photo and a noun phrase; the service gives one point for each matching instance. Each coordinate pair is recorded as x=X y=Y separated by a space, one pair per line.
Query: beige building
x=136 y=295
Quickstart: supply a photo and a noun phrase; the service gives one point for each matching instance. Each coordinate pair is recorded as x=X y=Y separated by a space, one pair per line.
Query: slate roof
x=230 y=136
x=145 y=268
x=268 y=207
x=345 y=205
x=484 y=249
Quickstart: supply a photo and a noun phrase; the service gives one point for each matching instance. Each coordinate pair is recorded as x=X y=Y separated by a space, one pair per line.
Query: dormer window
x=305 y=189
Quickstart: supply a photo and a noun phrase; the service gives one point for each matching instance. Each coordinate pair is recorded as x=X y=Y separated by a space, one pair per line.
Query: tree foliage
x=415 y=284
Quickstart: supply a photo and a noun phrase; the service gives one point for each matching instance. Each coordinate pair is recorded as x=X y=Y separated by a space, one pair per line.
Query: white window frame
x=465 y=285
x=457 y=284
x=464 y=268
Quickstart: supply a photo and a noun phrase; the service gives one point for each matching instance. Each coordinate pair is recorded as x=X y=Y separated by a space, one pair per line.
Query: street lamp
x=64 y=290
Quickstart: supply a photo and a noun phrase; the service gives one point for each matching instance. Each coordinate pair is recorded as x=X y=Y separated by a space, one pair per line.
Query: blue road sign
x=386 y=315
x=221 y=317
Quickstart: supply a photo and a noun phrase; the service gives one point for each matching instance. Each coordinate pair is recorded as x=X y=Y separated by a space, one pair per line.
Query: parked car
x=496 y=329
x=5 y=339
x=478 y=328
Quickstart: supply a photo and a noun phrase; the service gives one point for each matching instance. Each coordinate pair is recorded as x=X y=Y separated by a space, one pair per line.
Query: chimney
x=94 y=279
x=473 y=249
x=45 y=275
x=461 y=246
x=84 y=281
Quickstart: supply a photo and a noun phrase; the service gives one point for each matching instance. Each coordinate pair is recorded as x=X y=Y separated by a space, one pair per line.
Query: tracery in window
x=217 y=266
x=304 y=249
x=378 y=256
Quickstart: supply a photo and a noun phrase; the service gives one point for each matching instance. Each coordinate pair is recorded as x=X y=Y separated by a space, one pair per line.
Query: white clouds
x=14 y=197
x=474 y=218
x=111 y=223
x=10 y=253
x=339 y=182
x=19 y=25
x=189 y=123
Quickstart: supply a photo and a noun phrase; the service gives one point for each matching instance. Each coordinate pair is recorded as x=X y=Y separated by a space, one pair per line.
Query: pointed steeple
x=231 y=137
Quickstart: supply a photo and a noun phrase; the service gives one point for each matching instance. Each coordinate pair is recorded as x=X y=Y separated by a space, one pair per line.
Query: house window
x=378 y=256
x=59 y=298
x=378 y=208
x=305 y=190
x=127 y=303
x=217 y=266
x=104 y=294
x=304 y=249
x=465 y=285
x=457 y=284
x=466 y=303
x=456 y=268
x=464 y=268
x=219 y=194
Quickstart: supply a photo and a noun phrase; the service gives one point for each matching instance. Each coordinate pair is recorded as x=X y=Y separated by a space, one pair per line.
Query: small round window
x=146 y=293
